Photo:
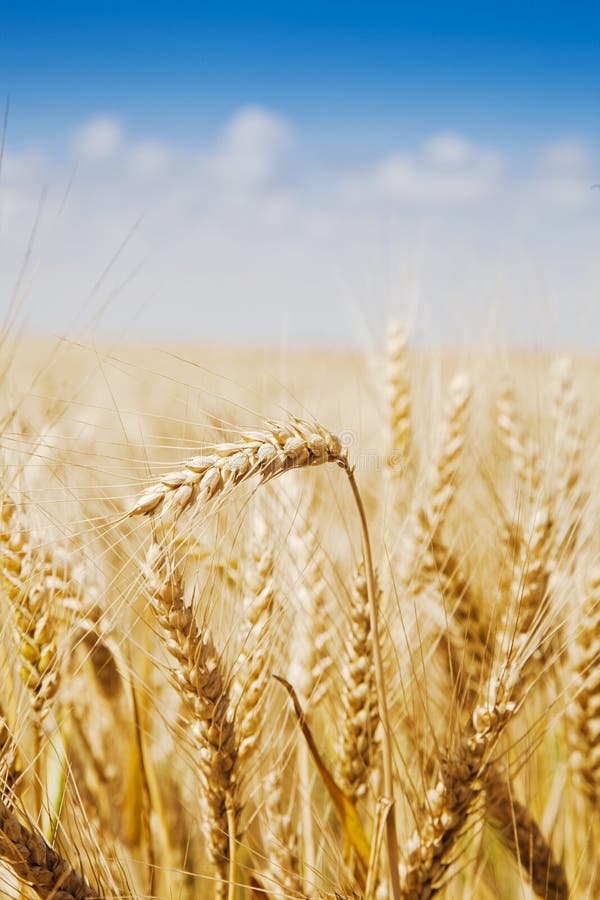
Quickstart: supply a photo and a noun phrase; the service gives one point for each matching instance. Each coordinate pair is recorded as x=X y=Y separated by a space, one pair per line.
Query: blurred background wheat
x=162 y=608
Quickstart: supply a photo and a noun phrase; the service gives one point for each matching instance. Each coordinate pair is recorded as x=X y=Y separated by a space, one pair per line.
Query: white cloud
x=563 y=176
x=98 y=139
x=447 y=149
x=243 y=239
x=251 y=147
x=447 y=170
x=149 y=159
x=567 y=155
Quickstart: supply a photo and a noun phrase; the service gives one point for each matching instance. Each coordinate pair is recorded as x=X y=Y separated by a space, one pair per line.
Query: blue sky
x=502 y=70
x=350 y=150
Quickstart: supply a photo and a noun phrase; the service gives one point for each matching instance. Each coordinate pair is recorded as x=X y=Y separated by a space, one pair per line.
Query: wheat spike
x=311 y=659
x=265 y=454
x=41 y=589
x=568 y=493
x=356 y=744
x=281 y=842
x=524 y=839
x=468 y=628
x=9 y=761
x=198 y=673
x=584 y=711
x=428 y=514
x=460 y=784
x=37 y=864
x=252 y=674
x=398 y=398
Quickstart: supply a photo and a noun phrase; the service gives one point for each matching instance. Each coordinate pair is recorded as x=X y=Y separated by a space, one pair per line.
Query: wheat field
x=298 y=624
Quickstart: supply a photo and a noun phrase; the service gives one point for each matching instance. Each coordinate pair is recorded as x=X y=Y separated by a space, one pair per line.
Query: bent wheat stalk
x=267 y=454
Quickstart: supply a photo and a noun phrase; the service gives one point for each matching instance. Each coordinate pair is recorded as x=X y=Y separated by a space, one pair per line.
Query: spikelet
x=197 y=671
x=265 y=454
x=583 y=728
x=398 y=398
x=356 y=745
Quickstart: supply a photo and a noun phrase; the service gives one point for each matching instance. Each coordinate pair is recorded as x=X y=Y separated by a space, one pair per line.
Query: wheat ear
x=252 y=670
x=510 y=428
x=311 y=661
x=34 y=582
x=281 y=841
x=467 y=626
x=428 y=516
x=268 y=454
x=460 y=784
x=584 y=710
x=9 y=755
x=527 y=600
x=36 y=864
x=524 y=839
x=356 y=745
x=568 y=451
x=198 y=673
x=265 y=454
x=398 y=398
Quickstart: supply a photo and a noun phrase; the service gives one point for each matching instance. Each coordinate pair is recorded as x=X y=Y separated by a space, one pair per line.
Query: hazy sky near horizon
x=273 y=172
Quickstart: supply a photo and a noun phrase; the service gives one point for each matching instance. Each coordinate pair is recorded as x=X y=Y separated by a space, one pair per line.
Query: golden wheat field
x=298 y=624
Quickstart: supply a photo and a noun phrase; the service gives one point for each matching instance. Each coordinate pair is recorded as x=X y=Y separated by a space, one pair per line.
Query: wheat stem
x=386 y=744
